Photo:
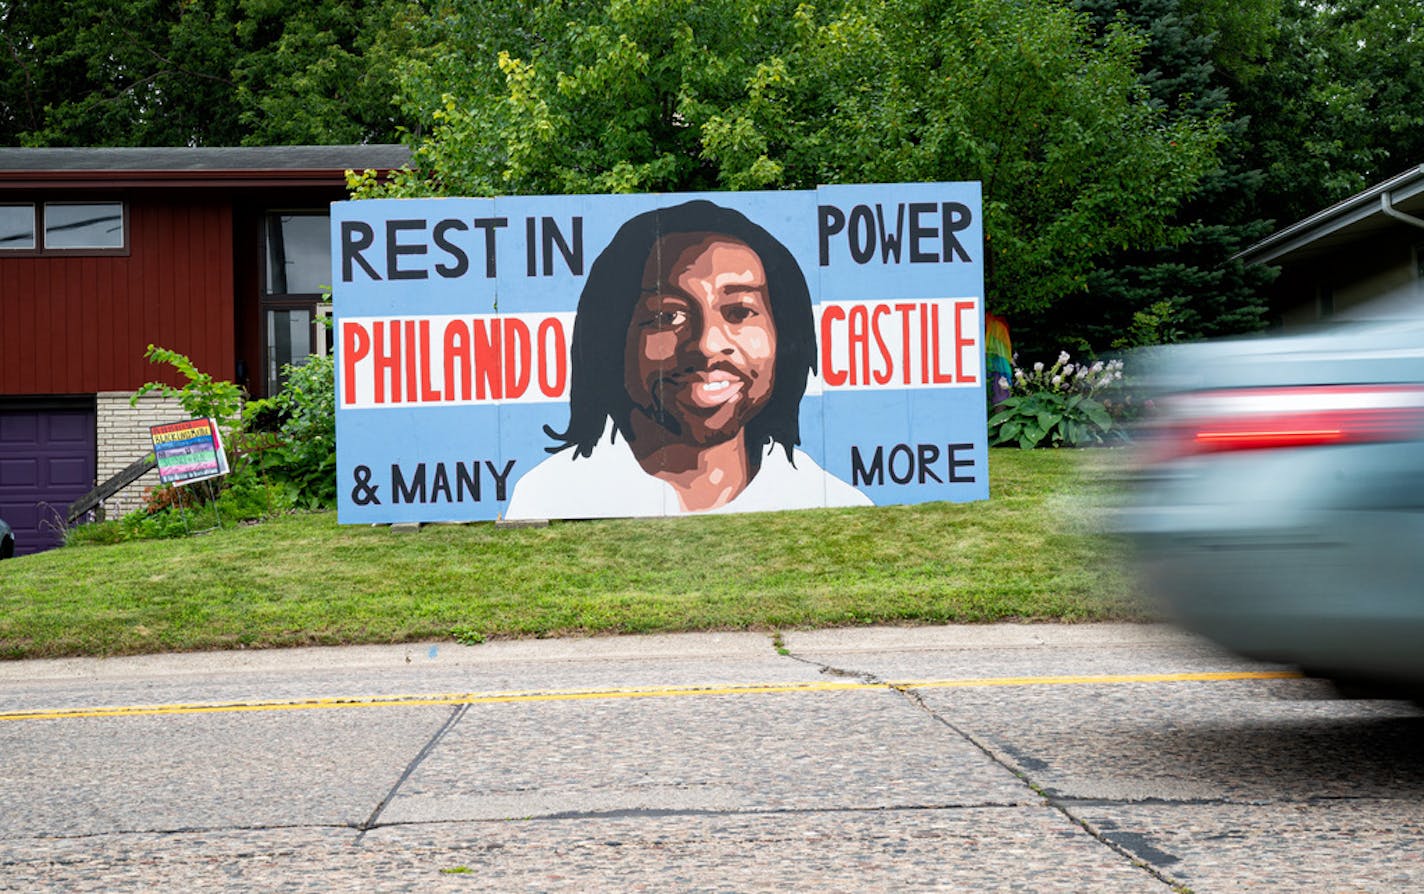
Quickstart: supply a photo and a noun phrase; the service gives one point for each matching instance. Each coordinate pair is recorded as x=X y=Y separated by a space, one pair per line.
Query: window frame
x=267 y=218
x=36 y=233
x=39 y=207
x=268 y=301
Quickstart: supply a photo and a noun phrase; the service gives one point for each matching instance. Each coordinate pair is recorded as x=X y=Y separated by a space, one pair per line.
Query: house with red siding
x=221 y=254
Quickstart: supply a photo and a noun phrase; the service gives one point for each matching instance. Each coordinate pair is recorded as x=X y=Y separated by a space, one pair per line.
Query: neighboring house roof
x=1396 y=202
x=188 y=167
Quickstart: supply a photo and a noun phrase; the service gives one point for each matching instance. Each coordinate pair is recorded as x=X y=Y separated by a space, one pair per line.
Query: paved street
x=1007 y=757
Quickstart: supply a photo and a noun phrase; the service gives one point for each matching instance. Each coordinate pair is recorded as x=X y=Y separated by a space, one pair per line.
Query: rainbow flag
x=999 y=356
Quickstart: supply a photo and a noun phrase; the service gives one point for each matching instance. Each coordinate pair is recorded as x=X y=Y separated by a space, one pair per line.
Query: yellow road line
x=487 y=698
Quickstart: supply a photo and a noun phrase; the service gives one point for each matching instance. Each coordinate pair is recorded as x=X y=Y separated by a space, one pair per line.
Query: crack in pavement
x=1117 y=842
x=1125 y=845
x=653 y=812
x=166 y=831
x=450 y=722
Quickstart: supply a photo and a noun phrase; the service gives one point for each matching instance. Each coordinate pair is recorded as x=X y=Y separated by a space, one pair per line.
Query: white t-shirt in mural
x=609 y=483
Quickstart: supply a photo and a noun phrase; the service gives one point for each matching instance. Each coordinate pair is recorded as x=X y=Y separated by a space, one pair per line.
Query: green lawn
x=1033 y=551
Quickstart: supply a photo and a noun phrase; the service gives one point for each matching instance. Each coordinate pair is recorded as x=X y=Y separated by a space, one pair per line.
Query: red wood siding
x=78 y=325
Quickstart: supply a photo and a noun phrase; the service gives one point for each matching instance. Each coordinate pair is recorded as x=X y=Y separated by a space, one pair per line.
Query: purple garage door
x=47 y=461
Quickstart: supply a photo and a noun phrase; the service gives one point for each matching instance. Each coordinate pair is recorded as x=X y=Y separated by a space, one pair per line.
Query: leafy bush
x=272 y=472
x=1159 y=324
x=302 y=457
x=1064 y=405
x=137 y=525
x=202 y=397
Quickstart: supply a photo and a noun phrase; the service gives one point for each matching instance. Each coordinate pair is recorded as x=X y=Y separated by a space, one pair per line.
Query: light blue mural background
x=831 y=424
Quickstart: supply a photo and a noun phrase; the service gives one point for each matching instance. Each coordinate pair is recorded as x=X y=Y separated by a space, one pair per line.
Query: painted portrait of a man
x=691 y=350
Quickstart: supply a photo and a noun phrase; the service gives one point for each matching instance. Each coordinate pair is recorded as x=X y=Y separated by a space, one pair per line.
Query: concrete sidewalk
x=730 y=645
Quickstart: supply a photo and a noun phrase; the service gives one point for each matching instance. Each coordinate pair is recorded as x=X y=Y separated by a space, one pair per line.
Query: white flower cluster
x=1065 y=377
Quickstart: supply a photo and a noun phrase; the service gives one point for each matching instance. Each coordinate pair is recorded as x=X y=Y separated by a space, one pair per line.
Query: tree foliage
x=664 y=95
x=1242 y=34
x=1192 y=288
x=1342 y=104
x=1128 y=148
x=199 y=72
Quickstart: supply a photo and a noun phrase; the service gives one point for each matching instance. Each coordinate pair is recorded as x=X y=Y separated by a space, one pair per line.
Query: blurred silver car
x=1279 y=499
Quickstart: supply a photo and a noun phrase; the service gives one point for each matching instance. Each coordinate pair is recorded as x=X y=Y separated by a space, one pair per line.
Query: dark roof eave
x=219 y=166
x=1337 y=217
x=170 y=178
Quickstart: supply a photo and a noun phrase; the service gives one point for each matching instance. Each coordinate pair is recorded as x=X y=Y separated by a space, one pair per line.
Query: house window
x=68 y=227
x=89 y=225
x=297 y=262
x=289 y=341
x=298 y=254
x=17 y=227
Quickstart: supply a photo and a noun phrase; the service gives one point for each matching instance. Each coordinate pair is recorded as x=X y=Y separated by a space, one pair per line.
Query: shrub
x=202 y=397
x=1063 y=405
x=271 y=472
x=176 y=511
x=302 y=456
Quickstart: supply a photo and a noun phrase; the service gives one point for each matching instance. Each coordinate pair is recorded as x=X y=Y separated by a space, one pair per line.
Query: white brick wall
x=123 y=438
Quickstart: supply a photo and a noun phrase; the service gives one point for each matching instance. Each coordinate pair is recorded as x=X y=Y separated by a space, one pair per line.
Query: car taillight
x=1273 y=418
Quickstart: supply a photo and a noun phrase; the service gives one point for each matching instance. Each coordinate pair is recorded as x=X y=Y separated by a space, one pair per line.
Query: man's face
x=701 y=348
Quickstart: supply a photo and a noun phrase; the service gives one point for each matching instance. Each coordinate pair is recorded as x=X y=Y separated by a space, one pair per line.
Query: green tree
x=1193 y=288
x=104 y=73
x=1342 y=104
x=580 y=96
x=628 y=95
x=320 y=72
x=1243 y=34
x=198 y=72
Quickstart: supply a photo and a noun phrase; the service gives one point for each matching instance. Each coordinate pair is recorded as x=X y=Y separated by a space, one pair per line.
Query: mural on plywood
x=726 y=352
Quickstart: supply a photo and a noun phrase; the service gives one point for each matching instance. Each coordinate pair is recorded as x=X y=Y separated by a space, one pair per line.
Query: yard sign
x=188 y=451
